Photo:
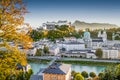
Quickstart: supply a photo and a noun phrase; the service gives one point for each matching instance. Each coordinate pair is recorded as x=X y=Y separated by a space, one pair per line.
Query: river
x=77 y=67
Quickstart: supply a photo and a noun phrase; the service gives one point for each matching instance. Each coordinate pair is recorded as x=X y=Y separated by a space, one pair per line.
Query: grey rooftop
x=57 y=68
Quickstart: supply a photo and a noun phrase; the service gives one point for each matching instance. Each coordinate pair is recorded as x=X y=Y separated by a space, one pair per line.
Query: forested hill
x=92 y=26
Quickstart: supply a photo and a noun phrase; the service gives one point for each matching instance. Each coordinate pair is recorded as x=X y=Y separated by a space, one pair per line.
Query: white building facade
x=54 y=50
x=51 y=25
x=30 y=51
x=110 y=53
x=71 y=45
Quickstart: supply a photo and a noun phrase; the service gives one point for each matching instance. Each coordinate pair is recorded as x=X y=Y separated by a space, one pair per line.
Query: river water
x=77 y=67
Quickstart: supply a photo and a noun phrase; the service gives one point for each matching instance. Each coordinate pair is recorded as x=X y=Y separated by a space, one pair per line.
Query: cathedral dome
x=86 y=34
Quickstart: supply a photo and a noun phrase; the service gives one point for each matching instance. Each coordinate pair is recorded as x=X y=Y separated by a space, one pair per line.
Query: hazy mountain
x=83 y=25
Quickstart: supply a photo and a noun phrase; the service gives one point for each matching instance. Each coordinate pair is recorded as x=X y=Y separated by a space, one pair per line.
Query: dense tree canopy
x=66 y=31
x=11 y=19
x=111 y=73
x=59 y=32
x=36 y=35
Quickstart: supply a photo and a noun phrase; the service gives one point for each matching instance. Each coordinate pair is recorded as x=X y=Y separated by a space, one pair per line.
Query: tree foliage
x=73 y=73
x=92 y=74
x=78 y=77
x=100 y=75
x=46 y=50
x=38 y=52
x=66 y=31
x=84 y=74
x=59 y=32
x=11 y=19
x=38 y=34
x=99 y=53
x=111 y=73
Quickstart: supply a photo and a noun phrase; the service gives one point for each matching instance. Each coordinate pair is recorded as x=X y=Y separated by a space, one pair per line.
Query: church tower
x=87 y=39
x=104 y=35
x=99 y=34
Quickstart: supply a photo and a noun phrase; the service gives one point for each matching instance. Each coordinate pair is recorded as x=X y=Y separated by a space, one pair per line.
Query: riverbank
x=87 y=62
x=39 y=60
x=73 y=62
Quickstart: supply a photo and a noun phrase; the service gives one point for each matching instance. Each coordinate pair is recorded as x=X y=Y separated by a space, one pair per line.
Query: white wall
x=109 y=53
x=54 y=51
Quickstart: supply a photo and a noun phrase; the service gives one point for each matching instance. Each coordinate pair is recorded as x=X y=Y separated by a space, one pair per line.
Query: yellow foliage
x=11 y=18
x=45 y=32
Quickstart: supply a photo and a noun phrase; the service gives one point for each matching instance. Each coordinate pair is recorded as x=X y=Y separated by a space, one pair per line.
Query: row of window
x=55 y=78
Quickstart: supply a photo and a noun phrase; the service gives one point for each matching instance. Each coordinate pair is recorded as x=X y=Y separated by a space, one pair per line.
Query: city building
x=80 y=54
x=97 y=43
x=119 y=54
x=51 y=25
x=87 y=39
x=30 y=51
x=70 y=39
x=71 y=45
x=60 y=22
x=114 y=35
x=103 y=35
x=25 y=68
x=54 y=50
x=110 y=53
x=57 y=71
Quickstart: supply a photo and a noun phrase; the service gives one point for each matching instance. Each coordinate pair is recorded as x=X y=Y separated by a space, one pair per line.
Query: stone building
x=87 y=39
x=103 y=35
x=80 y=54
x=57 y=71
x=110 y=53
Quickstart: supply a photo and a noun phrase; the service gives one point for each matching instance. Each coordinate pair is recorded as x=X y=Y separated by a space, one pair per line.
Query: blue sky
x=102 y=11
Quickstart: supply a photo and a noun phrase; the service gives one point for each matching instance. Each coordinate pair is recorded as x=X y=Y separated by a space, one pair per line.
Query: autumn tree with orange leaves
x=12 y=30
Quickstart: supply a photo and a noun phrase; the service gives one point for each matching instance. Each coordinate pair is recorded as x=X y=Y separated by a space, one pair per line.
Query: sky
x=91 y=11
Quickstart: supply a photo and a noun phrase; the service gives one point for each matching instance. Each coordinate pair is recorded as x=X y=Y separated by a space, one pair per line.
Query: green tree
x=78 y=77
x=38 y=52
x=54 y=34
x=92 y=74
x=117 y=71
x=35 y=35
x=75 y=34
x=84 y=74
x=109 y=73
x=46 y=50
x=29 y=73
x=101 y=75
x=73 y=74
x=60 y=32
x=76 y=74
x=99 y=53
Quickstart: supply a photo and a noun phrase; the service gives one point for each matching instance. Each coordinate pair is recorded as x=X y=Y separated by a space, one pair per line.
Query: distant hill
x=92 y=26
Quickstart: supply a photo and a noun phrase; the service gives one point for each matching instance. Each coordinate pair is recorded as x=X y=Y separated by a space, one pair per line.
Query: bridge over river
x=38 y=75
